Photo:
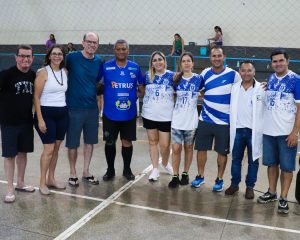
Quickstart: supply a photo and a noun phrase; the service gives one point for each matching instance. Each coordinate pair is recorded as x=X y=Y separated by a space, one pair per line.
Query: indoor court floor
x=139 y=209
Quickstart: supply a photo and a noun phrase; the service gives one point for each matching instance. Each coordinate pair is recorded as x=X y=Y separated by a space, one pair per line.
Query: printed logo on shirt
x=122 y=85
x=23 y=87
x=282 y=87
x=122 y=73
x=132 y=68
x=123 y=94
x=258 y=98
x=110 y=68
x=166 y=81
x=132 y=75
x=123 y=104
x=192 y=87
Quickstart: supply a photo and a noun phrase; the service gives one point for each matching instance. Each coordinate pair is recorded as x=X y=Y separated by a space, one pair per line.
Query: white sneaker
x=154 y=175
x=168 y=168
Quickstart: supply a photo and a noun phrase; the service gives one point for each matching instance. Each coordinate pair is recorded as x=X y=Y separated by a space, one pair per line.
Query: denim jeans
x=242 y=140
x=277 y=152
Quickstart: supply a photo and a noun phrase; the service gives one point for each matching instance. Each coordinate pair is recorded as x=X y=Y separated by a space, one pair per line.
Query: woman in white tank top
x=51 y=115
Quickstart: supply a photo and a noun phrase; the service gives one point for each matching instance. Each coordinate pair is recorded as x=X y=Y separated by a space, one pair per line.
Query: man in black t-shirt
x=16 y=91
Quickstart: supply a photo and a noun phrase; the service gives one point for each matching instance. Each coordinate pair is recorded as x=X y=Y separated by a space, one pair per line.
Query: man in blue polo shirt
x=121 y=78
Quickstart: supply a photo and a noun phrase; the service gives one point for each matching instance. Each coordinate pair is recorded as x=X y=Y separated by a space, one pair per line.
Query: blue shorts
x=16 y=139
x=276 y=152
x=86 y=120
x=56 y=120
x=183 y=136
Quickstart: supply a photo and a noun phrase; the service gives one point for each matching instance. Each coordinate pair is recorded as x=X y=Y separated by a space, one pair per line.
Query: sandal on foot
x=91 y=180
x=73 y=182
x=44 y=191
x=56 y=186
x=9 y=198
x=25 y=188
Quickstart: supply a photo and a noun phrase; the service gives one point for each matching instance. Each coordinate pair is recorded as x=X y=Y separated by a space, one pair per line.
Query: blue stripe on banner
x=221 y=99
x=217 y=114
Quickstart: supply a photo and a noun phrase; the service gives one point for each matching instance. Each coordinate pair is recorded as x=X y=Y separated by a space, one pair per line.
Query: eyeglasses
x=91 y=42
x=158 y=60
x=24 y=56
x=56 y=54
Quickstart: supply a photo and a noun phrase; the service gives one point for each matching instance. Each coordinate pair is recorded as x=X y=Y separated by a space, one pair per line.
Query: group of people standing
x=65 y=101
x=237 y=113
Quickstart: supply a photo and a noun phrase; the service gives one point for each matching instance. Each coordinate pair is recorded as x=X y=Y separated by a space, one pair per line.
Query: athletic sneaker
x=218 y=187
x=198 y=181
x=184 y=178
x=267 y=197
x=167 y=168
x=283 y=206
x=174 y=182
x=154 y=175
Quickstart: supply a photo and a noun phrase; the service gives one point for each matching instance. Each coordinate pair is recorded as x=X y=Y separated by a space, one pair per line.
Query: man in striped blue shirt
x=214 y=118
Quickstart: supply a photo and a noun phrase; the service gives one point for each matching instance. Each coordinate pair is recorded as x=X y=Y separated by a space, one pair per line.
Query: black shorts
x=160 y=126
x=207 y=132
x=100 y=89
x=16 y=139
x=56 y=120
x=112 y=128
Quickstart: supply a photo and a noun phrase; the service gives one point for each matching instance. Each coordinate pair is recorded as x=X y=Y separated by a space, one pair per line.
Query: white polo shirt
x=244 y=111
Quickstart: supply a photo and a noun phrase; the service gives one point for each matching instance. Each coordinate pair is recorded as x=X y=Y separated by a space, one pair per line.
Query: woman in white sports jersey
x=185 y=117
x=51 y=114
x=158 y=104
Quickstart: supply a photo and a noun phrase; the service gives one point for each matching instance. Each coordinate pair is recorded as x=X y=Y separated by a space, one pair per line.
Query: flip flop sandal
x=91 y=180
x=9 y=198
x=57 y=186
x=26 y=188
x=44 y=191
x=73 y=182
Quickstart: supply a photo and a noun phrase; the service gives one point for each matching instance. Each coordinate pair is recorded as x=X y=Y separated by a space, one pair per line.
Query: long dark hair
x=47 y=57
x=52 y=35
x=179 y=69
x=219 y=29
x=177 y=35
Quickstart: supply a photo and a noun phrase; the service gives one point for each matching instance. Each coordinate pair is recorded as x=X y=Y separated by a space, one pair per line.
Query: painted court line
x=87 y=217
x=210 y=218
x=66 y=194
x=129 y=184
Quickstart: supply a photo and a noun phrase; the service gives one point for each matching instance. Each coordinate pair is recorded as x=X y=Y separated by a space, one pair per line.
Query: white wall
x=270 y=23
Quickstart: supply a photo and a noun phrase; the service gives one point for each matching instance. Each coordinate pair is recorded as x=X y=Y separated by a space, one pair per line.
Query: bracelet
x=297 y=134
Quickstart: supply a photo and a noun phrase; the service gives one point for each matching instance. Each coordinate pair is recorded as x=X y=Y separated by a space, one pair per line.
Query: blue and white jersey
x=158 y=102
x=216 y=101
x=120 y=90
x=185 y=115
x=281 y=97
